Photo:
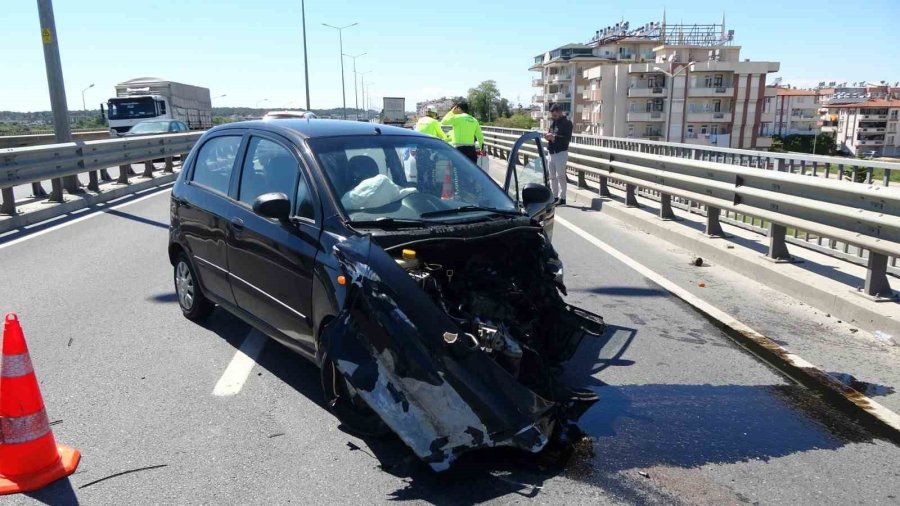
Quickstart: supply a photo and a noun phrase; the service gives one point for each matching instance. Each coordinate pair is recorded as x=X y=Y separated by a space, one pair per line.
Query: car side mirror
x=273 y=205
x=535 y=193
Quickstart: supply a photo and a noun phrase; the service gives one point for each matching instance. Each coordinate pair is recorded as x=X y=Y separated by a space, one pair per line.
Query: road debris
x=702 y=284
x=697 y=262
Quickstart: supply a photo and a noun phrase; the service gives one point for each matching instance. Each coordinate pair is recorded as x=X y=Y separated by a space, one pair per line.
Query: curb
x=38 y=212
x=842 y=304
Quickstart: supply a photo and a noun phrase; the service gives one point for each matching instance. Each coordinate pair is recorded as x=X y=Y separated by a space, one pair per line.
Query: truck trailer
x=145 y=98
x=394 y=112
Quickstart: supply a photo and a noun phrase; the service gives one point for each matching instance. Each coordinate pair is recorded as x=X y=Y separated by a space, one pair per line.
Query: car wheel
x=342 y=400
x=194 y=305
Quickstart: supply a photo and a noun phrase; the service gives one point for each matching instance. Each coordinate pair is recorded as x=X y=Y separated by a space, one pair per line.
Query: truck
x=145 y=98
x=394 y=112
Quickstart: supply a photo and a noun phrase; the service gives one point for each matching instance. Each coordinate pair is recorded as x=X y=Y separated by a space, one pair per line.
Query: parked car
x=433 y=308
x=156 y=127
x=289 y=115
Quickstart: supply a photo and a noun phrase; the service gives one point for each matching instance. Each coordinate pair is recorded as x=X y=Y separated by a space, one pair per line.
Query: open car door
x=527 y=169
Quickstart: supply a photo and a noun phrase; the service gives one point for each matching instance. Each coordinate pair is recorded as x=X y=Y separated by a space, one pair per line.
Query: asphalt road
x=684 y=417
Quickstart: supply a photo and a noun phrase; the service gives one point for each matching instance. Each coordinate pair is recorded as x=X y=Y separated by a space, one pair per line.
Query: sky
x=252 y=50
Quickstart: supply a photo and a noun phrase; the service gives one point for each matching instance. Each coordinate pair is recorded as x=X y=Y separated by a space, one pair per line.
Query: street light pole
x=58 y=104
x=305 y=60
x=672 y=77
x=355 y=79
x=362 y=78
x=83 y=104
x=260 y=101
x=340 y=30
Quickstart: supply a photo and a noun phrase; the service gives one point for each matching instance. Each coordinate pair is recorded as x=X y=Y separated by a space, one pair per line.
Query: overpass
x=751 y=377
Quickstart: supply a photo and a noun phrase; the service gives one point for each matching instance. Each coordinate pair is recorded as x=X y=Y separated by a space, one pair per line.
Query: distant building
x=442 y=105
x=868 y=127
x=619 y=84
x=797 y=112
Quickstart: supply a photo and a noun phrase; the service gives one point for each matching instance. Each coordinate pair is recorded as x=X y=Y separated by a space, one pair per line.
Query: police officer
x=466 y=135
x=429 y=124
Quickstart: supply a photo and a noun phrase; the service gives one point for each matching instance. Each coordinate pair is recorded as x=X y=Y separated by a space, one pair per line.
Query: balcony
x=873 y=117
x=644 y=116
x=539 y=98
x=646 y=91
x=559 y=97
x=723 y=140
x=703 y=116
x=711 y=91
x=626 y=56
x=767 y=117
x=538 y=115
x=537 y=82
x=870 y=142
x=762 y=142
x=871 y=129
x=558 y=78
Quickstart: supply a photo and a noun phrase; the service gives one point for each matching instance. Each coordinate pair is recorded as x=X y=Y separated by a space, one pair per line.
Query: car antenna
x=377 y=131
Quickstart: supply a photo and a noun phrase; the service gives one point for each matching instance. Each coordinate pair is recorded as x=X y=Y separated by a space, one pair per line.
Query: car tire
x=356 y=417
x=193 y=303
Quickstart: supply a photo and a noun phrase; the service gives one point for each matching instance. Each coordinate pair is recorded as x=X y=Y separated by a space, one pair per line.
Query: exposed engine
x=504 y=293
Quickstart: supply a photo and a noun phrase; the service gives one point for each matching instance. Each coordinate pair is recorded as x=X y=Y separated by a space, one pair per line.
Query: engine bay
x=504 y=293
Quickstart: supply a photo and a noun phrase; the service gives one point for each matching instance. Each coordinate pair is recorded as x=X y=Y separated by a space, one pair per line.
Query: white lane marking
x=884 y=414
x=237 y=372
x=98 y=212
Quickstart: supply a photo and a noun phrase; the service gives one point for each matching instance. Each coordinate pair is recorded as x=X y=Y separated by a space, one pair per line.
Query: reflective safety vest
x=430 y=126
x=466 y=130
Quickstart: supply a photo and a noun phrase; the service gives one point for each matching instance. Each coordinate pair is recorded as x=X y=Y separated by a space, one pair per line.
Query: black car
x=432 y=307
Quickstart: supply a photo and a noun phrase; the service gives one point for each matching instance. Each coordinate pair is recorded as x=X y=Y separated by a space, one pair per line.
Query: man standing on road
x=466 y=131
x=429 y=124
x=558 y=136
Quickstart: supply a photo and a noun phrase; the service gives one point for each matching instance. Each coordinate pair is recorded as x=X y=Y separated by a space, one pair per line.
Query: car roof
x=312 y=128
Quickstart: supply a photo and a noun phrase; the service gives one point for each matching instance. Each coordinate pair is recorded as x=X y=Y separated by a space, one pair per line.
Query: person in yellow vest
x=466 y=135
x=429 y=124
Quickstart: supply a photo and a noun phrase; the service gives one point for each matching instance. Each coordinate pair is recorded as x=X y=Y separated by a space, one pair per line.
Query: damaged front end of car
x=457 y=344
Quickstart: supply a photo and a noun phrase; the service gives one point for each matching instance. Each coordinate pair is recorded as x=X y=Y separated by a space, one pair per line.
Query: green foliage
x=221 y=120
x=824 y=144
x=517 y=120
x=486 y=104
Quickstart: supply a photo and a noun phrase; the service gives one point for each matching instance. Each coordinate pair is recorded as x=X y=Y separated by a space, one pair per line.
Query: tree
x=518 y=120
x=482 y=99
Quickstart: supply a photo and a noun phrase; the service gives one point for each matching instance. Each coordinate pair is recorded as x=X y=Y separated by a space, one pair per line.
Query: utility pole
x=672 y=76
x=58 y=103
x=340 y=30
x=305 y=60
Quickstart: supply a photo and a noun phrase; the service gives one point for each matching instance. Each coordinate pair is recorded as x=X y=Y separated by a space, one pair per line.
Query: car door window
x=215 y=162
x=268 y=167
x=532 y=171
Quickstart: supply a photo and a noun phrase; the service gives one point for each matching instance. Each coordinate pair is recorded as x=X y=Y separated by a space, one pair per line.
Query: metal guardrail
x=55 y=162
x=37 y=139
x=864 y=216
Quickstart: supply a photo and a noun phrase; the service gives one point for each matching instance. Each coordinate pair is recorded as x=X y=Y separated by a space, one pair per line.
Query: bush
x=825 y=144
x=518 y=120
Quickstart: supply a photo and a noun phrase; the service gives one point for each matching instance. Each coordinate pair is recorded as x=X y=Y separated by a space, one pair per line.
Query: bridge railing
x=61 y=162
x=857 y=222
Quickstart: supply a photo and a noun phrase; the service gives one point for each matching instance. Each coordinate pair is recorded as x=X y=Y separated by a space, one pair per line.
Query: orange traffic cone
x=447 y=189
x=29 y=456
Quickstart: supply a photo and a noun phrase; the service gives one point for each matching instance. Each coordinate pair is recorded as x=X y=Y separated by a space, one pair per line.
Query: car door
x=272 y=262
x=527 y=166
x=204 y=208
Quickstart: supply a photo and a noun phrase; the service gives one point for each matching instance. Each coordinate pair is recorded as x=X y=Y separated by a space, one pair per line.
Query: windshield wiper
x=468 y=208
x=385 y=221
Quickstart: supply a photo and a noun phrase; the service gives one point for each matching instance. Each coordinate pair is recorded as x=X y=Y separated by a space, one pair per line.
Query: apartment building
x=797 y=112
x=677 y=82
x=868 y=127
x=561 y=80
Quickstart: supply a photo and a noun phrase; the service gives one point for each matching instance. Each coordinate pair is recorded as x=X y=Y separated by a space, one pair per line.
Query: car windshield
x=150 y=127
x=407 y=180
x=131 y=108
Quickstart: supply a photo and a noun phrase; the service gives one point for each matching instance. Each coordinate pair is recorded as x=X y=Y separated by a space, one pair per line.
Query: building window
x=890 y=140
x=704 y=129
x=714 y=130
x=690 y=130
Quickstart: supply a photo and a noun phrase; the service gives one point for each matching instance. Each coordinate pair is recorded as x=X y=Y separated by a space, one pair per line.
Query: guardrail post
x=604 y=187
x=71 y=184
x=169 y=166
x=124 y=171
x=56 y=189
x=104 y=175
x=713 y=226
x=148 y=169
x=8 y=206
x=631 y=195
x=778 y=250
x=37 y=190
x=93 y=184
x=877 y=284
x=665 y=207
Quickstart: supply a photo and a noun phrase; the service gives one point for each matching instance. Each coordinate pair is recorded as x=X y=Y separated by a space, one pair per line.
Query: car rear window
x=215 y=162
